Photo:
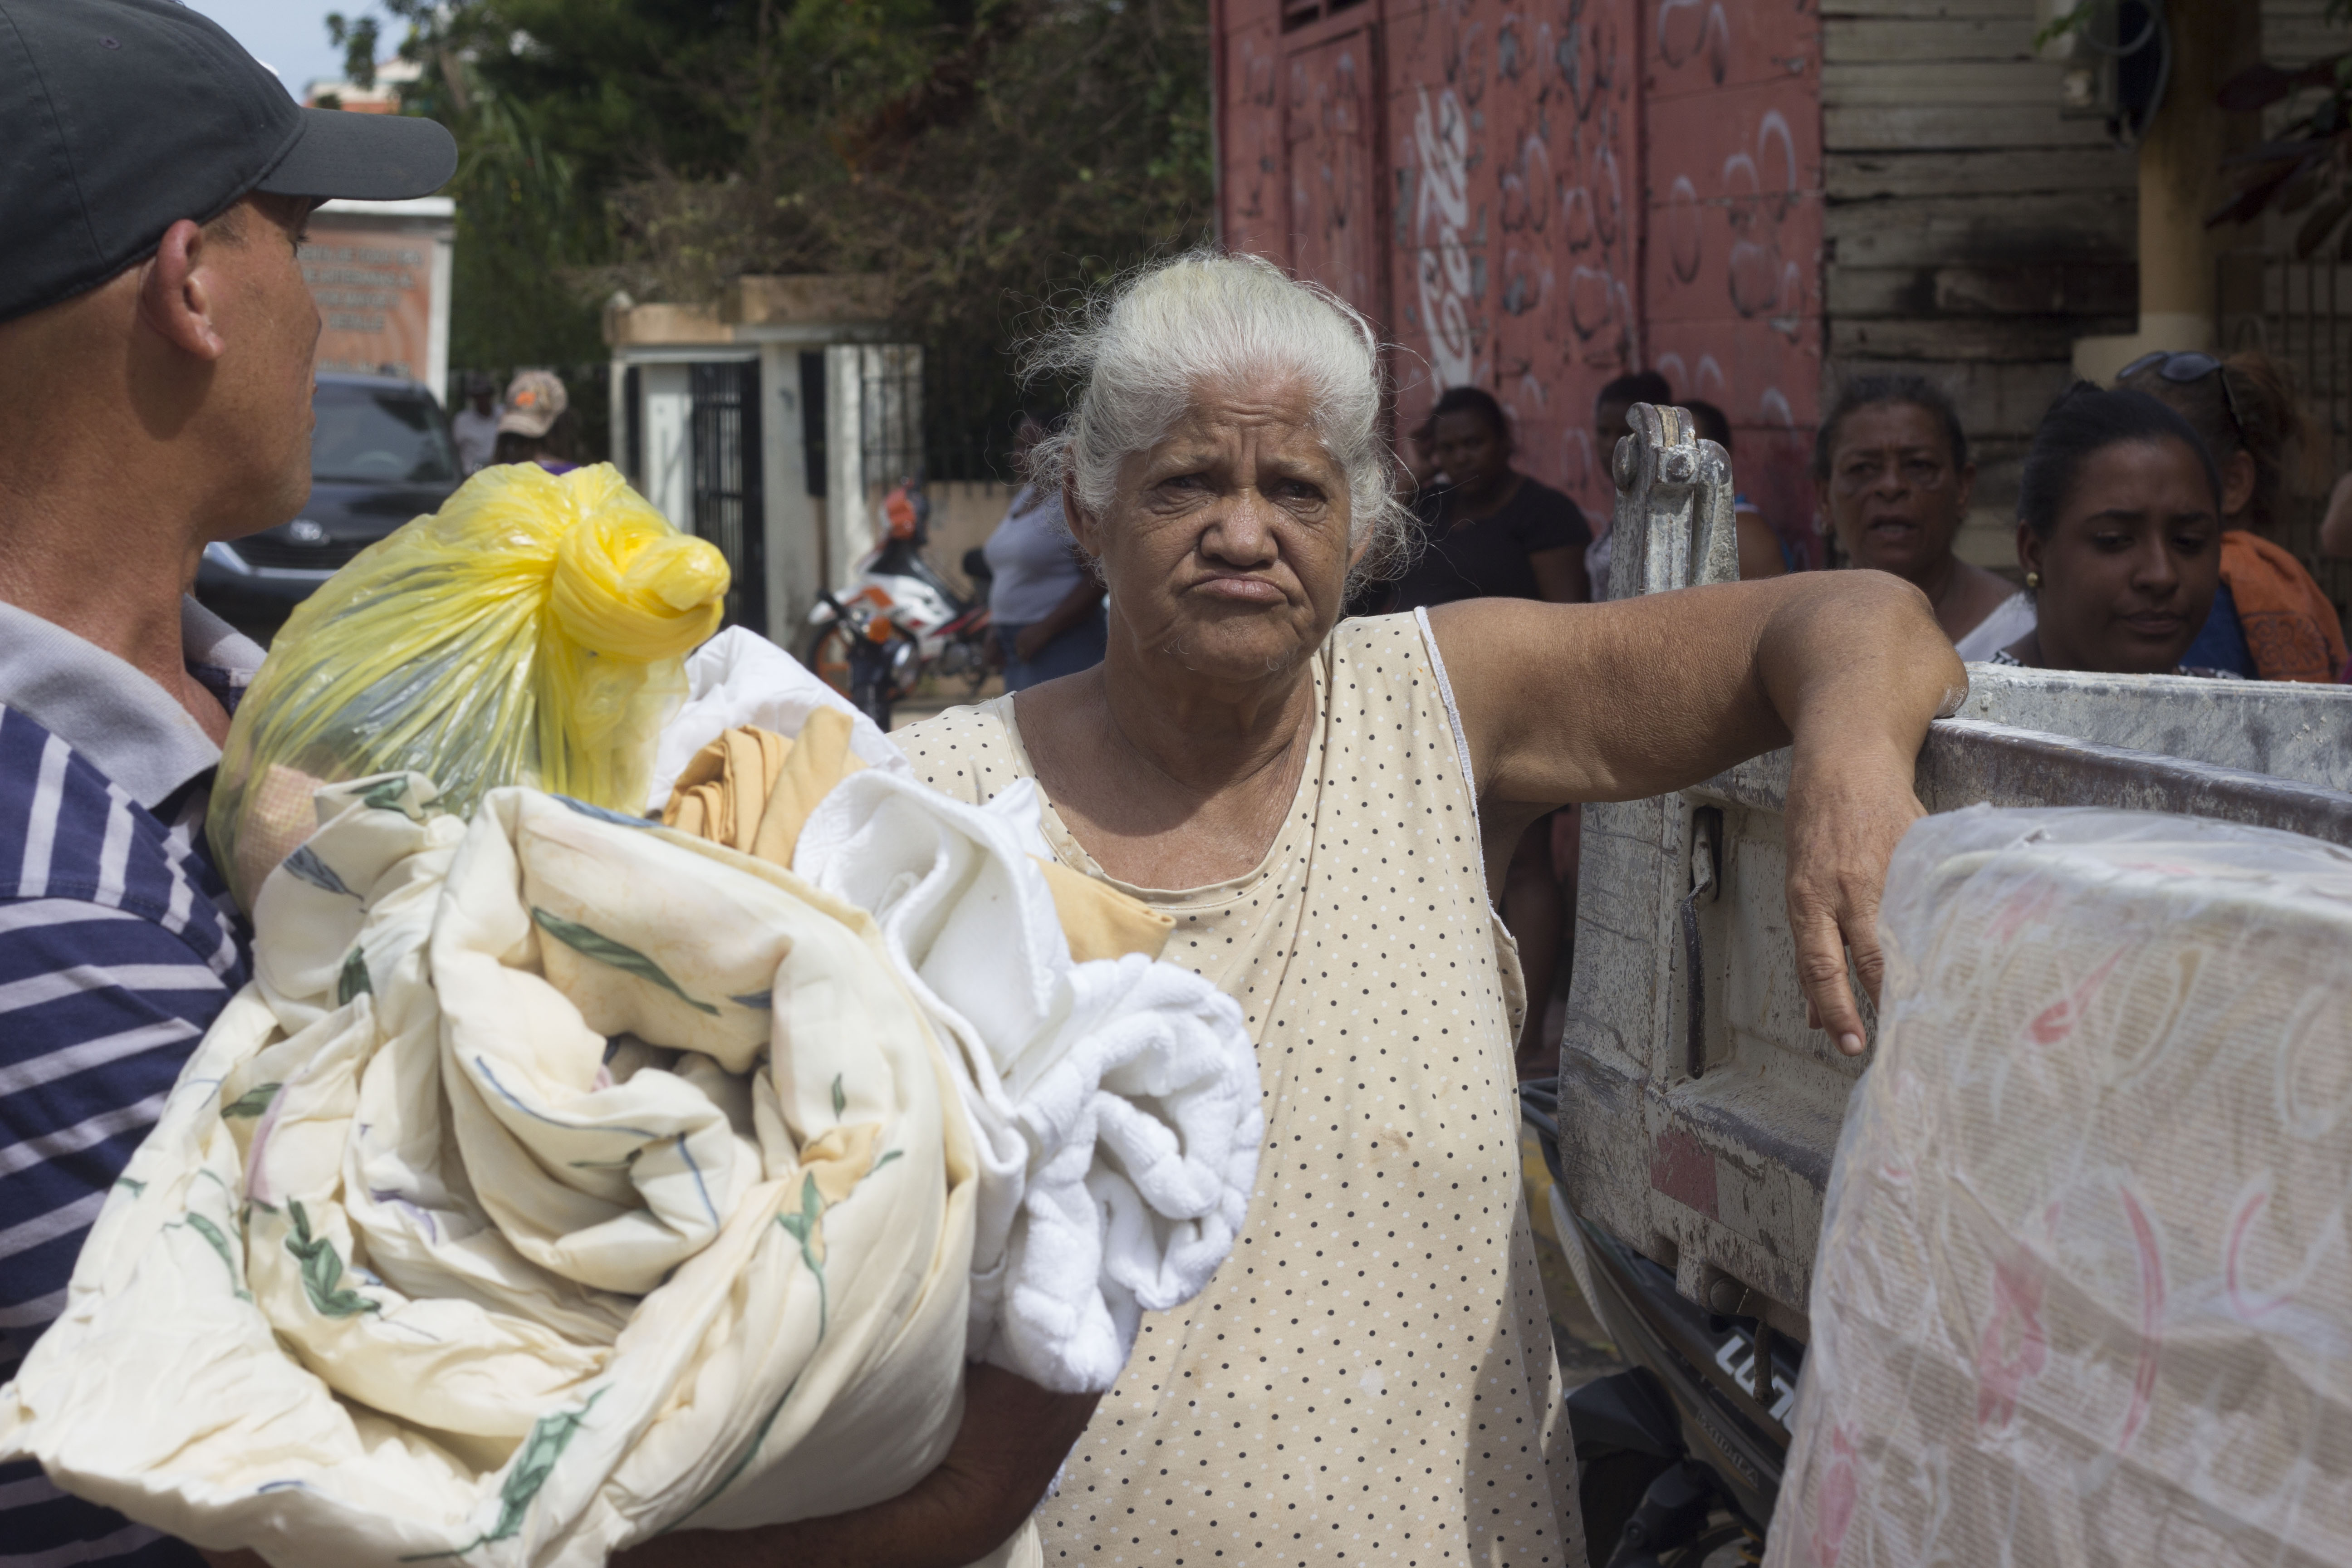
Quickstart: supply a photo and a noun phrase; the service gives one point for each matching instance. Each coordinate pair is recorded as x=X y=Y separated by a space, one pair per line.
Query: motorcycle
x=899 y=622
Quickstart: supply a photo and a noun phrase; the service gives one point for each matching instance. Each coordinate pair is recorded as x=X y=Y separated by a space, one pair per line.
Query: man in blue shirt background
x=157 y=339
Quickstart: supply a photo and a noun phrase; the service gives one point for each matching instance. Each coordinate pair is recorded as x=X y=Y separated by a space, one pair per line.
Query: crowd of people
x=2119 y=567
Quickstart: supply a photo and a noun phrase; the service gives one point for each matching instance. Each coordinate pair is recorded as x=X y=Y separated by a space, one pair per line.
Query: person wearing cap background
x=537 y=426
x=474 y=429
x=156 y=339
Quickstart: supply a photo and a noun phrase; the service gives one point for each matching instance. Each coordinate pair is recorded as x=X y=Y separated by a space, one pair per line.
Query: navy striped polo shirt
x=118 y=945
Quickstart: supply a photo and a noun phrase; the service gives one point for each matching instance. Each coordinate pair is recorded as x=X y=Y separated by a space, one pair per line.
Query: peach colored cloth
x=752 y=791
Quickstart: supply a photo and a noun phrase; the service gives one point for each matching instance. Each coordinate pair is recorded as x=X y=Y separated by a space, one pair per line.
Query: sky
x=290 y=36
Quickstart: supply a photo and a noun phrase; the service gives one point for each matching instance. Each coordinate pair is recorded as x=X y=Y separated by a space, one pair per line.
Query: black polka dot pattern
x=1369 y=1377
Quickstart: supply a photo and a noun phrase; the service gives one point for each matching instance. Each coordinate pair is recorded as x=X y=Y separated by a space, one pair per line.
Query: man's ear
x=1965 y=489
x=179 y=295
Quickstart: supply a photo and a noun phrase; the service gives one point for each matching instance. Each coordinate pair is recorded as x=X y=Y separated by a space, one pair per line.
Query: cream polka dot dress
x=1370 y=1376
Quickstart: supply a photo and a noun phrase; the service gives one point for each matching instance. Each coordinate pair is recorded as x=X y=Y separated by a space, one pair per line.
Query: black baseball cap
x=119 y=118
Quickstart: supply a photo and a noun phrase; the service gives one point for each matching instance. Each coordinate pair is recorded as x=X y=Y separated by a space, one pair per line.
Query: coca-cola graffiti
x=1440 y=214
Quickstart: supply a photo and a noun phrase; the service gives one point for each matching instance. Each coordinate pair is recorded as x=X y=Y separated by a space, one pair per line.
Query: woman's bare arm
x=1014 y=1438
x=1643 y=696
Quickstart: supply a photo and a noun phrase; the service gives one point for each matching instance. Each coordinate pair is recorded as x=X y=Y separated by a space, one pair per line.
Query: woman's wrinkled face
x=1226 y=549
x=1471 y=452
x=1895 y=498
x=2129 y=572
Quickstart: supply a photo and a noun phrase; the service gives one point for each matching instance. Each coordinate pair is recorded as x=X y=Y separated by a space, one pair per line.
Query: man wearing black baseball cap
x=156 y=339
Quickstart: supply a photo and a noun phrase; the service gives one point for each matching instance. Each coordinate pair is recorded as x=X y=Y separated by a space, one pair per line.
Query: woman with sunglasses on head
x=1891 y=470
x=2270 y=621
x=2118 y=530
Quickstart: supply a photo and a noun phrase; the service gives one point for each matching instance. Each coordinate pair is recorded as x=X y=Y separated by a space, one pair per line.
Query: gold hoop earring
x=2034 y=579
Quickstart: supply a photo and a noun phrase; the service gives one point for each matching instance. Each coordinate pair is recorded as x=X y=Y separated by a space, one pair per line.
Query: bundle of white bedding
x=562 y=1178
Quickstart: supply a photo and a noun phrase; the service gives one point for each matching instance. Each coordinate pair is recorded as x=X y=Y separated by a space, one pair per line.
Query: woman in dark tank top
x=1489 y=531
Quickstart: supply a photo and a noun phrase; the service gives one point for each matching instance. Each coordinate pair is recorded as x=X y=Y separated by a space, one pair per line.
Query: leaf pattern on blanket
x=253 y=1101
x=533 y=1463
x=322 y=1269
x=596 y=945
x=806 y=1227
x=219 y=1243
x=389 y=795
x=835 y=1162
x=305 y=866
x=353 y=981
x=550 y=1435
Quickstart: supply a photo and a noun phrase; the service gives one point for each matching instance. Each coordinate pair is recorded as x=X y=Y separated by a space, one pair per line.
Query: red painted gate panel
x=1567 y=189
x=1330 y=155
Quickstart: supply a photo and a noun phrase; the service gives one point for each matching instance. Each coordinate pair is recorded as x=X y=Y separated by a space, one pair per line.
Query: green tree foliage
x=980 y=155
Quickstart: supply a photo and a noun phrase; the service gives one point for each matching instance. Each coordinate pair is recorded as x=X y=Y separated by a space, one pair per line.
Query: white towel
x=1116 y=1104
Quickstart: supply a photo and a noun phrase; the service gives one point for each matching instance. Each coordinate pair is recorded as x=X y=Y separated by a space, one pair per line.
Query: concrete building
x=772 y=421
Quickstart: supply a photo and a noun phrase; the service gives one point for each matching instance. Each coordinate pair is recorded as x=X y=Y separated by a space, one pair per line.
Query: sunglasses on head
x=2183 y=367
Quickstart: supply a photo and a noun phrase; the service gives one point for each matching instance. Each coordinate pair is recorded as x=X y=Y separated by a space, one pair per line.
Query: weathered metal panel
x=1330 y=113
x=1250 y=199
x=1529 y=156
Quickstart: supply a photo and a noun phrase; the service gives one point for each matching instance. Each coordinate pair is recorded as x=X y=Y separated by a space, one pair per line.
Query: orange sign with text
x=375 y=290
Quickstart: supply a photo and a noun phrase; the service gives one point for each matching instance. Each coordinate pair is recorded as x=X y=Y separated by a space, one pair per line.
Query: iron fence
x=941 y=413
x=728 y=503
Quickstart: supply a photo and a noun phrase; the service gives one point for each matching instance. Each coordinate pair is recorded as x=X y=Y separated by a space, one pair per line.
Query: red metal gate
x=1534 y=198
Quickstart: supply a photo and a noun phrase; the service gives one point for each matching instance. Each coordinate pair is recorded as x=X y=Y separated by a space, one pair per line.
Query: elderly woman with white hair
x=1370 y=1375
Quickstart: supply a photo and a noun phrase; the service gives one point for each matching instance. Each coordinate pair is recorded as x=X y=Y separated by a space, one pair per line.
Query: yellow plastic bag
x=533 y=631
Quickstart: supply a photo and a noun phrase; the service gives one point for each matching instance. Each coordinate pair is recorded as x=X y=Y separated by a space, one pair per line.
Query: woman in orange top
x=2269 y=620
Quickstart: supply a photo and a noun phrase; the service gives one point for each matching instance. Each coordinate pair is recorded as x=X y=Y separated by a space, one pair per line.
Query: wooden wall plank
x=2295 y=32
x=2024 y=171
x=1971 y=235
x=1838 y=11
x=2029 y=84
x=1950 y=339
x=2060 y=288
x=1878 y=40
x=2080 y=228
x=1943 y=127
